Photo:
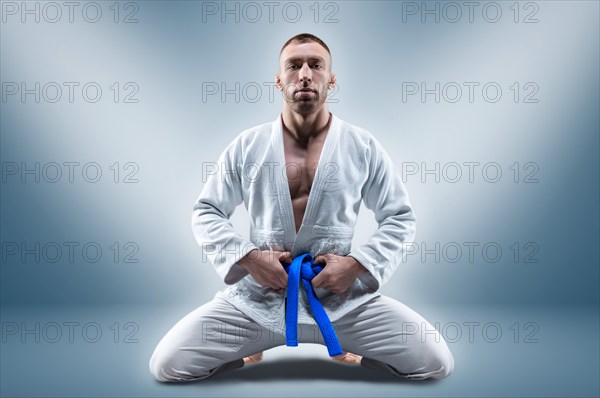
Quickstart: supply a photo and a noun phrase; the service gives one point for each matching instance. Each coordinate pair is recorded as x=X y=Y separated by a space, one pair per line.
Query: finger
x=316 y=281
x=285 y=257
x=320 y=259
x=273 y=255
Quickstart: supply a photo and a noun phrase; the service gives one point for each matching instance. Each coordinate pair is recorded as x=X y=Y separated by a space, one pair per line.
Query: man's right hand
x=265 y=267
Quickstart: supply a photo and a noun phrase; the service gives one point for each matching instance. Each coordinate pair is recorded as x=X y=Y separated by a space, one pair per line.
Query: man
x=302 y=179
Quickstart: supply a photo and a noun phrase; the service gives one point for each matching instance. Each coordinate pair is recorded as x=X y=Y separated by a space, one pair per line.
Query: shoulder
x=260 y=132
x=251 y=138
x=358 y=137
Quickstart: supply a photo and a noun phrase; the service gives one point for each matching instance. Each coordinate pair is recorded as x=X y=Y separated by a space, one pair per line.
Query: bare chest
x=300 y=169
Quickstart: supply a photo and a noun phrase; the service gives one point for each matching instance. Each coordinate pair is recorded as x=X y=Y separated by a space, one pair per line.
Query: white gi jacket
x=353 y=167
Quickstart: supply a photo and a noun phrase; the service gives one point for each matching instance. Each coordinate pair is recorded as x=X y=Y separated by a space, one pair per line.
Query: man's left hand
x=339 y=272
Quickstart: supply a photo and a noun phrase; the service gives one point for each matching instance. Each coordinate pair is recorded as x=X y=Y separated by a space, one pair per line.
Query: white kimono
x=353 y=167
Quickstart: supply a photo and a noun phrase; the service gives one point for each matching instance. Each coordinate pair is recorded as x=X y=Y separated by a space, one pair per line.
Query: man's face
x=304 y=76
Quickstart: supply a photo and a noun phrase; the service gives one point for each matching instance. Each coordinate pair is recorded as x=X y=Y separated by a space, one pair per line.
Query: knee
x=435 y=361
x=430 y=362
x=167 y=368
x=159 y=368
x=441 y=362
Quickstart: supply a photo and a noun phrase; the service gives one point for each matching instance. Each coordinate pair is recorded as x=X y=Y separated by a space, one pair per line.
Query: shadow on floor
x=306 y=369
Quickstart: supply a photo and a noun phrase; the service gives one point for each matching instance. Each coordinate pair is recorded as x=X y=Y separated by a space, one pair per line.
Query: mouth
x=305 y=91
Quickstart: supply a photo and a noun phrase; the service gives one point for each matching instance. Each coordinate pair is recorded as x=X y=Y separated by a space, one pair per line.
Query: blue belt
x=302 y=267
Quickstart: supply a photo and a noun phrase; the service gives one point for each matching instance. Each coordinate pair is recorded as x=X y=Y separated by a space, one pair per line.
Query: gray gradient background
x=171 y=131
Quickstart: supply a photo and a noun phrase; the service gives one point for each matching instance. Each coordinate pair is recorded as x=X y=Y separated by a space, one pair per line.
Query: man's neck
x=303 y=127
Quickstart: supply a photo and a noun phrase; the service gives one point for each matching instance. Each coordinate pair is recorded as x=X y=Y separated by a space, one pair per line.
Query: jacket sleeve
x=220 y=195
x=384 y=193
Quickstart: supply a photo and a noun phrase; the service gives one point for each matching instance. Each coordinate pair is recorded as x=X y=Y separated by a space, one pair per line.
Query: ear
x=278 y=82
x=332 y=81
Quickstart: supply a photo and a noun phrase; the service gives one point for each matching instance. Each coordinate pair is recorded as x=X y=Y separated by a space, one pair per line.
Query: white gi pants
x=217 y=336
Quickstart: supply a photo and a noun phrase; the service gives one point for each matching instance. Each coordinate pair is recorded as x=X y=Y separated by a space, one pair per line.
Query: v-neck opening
x=286 y=205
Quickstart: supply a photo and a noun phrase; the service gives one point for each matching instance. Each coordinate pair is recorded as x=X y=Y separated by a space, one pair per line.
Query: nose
x=305 y=73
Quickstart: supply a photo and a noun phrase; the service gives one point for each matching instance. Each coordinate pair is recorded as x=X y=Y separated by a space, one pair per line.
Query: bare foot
x=253 y=358
x=348 y=358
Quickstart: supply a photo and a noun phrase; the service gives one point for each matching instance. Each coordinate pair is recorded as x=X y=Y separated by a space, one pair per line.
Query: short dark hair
x=304 y=38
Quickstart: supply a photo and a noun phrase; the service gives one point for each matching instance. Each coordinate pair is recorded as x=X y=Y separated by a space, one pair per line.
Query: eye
x=292 y=67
